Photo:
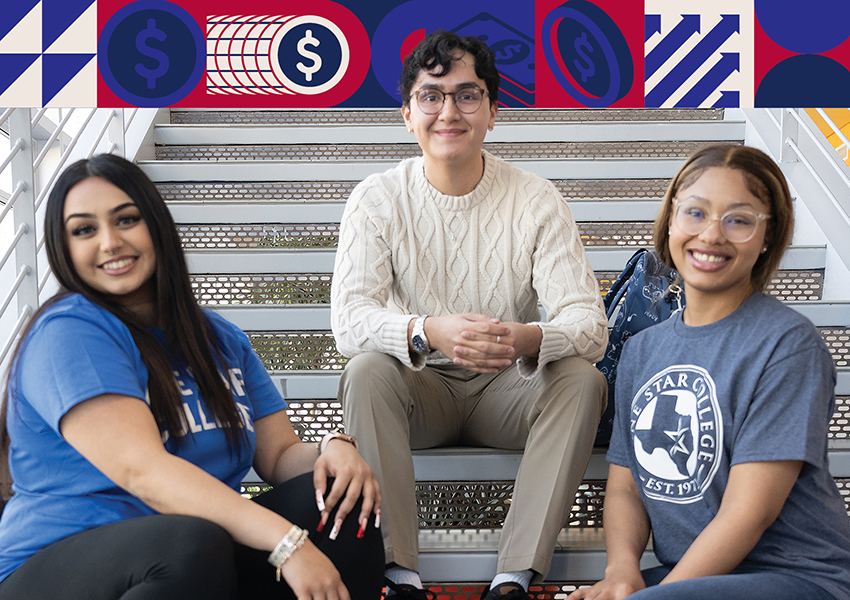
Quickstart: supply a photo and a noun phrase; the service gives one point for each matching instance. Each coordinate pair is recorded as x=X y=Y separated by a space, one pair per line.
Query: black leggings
x=165 y=557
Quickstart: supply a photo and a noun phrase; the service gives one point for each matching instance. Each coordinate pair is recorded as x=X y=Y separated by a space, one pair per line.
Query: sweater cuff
x=400 y=344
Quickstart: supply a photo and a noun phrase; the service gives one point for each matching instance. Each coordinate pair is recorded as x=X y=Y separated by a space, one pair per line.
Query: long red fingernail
x=360 y=532
x=321 y=524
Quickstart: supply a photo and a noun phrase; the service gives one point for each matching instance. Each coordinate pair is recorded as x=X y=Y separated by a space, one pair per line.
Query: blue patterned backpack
x=649 y=296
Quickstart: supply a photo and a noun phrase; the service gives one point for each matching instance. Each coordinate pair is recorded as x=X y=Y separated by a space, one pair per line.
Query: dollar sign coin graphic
x=317 y=60
x=587 y=69
x=151 y=75
x=587 y=53
x=151 y=53
x=310 y=55
x=510 y=52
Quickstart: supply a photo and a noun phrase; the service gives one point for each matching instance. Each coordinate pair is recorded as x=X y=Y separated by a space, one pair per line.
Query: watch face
x=419 y=344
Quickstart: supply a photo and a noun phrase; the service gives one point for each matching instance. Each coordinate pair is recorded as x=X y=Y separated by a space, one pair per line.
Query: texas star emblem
x=677 y=432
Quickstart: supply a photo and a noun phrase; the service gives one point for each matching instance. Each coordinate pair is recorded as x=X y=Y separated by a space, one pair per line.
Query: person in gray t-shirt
x=720 y=437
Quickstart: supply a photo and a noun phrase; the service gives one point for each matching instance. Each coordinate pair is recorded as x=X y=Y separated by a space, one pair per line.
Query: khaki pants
x=553 y=416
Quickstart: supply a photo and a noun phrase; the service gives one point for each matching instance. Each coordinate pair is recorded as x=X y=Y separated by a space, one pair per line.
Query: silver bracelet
x=291 y=542
x=336 y=435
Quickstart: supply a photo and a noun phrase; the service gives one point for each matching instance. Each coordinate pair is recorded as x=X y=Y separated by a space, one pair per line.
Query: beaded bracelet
x=291 y=542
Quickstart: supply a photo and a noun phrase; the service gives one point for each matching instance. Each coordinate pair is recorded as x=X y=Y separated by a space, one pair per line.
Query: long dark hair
x=764 y=180
x=188 y=335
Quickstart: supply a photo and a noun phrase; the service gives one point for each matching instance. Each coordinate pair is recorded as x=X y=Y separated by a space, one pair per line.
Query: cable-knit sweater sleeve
x=566 y=285
x=363 y=276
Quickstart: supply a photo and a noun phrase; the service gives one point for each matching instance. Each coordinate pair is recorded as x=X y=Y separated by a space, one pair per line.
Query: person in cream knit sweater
x=441 y=264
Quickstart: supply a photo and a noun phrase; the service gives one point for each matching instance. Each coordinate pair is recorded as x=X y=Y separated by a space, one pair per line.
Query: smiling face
x=712 y=266
x=109 y=243
x=451 y=137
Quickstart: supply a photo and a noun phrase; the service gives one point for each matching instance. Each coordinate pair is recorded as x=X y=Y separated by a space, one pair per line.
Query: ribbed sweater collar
x=457 y=203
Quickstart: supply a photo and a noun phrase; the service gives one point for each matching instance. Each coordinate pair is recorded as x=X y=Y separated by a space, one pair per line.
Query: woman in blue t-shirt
x=131 y=417
x=719 y=446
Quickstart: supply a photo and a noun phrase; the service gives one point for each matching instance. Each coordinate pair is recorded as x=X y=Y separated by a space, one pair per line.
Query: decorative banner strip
x=348 y=53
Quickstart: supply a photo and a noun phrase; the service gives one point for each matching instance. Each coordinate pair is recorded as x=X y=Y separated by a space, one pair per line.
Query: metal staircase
x=258 y=196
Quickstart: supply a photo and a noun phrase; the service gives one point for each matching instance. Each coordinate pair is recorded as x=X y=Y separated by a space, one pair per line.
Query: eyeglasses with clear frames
x=737 y=225
x=467 y=100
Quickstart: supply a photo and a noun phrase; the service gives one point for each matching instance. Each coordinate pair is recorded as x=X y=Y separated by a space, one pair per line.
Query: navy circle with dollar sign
x=587 y=53
x=309 y=55
x=151 y=53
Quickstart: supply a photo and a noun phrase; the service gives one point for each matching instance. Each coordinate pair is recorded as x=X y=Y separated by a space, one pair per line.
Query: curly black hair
x=438 y=50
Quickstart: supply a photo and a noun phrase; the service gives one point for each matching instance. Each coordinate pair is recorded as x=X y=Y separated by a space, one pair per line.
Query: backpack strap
x=618 y=288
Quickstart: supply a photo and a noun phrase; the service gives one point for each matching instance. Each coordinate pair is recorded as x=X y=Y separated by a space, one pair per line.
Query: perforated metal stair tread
x=271 y=289
x=394 y=152
x=389 y=116
x=338 y=191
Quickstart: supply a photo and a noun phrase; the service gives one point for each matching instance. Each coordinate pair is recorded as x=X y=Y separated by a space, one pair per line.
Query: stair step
x=264 y=289
x=322 y=260
x=321 y=191
x=383 y=116
x=397 y=133
x=279 y=215
x=279 y=170
x=333 y=152
x=314 y=349
x=470 y=555
x=306 y=385
x=834 y=316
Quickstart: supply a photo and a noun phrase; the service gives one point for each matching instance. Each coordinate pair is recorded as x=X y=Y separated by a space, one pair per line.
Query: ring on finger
x=498 y=339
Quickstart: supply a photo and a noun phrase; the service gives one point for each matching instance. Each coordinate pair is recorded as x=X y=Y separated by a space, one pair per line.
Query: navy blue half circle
x=803 y=81
x=807 y=27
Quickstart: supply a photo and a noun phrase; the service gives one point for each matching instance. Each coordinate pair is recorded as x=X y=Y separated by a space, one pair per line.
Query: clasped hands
x=480 y=343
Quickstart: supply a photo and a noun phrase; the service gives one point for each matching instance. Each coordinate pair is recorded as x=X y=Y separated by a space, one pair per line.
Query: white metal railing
x=813 y=167
x=42 y=142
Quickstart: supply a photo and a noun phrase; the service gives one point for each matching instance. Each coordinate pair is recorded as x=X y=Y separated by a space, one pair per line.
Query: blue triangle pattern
x=58 y=70
x=14 y=66
x=57 y=16
x=13 y=13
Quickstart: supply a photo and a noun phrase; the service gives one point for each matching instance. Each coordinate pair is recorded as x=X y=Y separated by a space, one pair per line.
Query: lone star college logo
x=677 y=431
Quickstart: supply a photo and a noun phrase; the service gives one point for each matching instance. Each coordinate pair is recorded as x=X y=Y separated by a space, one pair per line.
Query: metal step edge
x=208 y=171
x=471 y=555
x=215 y=213
x=493 y=464
x=318 y=385
x=504 y=132
x=313 y=317
x=322 y=261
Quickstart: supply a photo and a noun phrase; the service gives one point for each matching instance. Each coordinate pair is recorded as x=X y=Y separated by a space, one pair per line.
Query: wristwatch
x=419 y=341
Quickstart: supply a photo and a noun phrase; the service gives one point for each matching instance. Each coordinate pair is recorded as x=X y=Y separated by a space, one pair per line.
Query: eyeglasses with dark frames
x=431 y=100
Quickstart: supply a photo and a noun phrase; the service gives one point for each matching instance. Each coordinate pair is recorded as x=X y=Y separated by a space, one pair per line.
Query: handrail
x=835 y=129
x=19 y=324
x=19 y=189
x=24 y=272
x=62 y=160
x=20 y=144
x=21 y=232
x=112 y=115
x=128 y=120
x=37 y=117
x=793 y=145
x=823 y=150
x=49 y=143
x=5 y=115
